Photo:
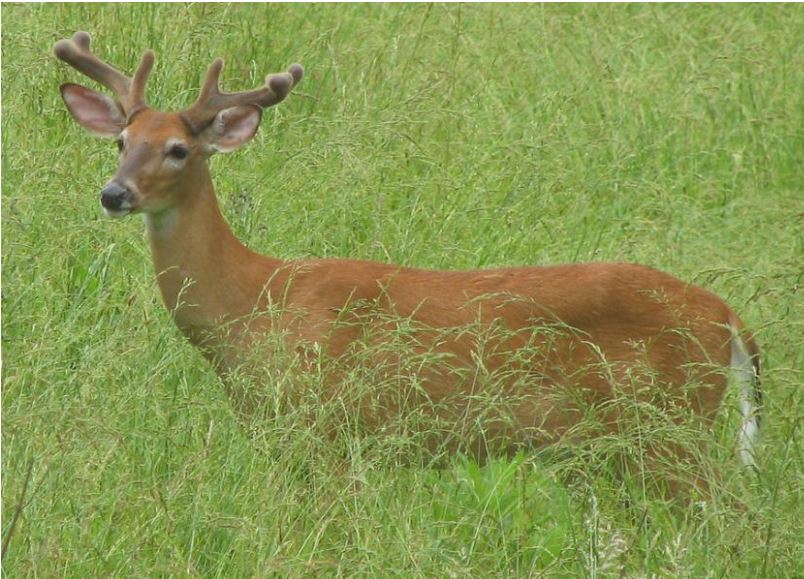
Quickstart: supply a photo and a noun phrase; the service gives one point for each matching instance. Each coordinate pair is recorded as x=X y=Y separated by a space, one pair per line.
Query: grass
x=446 y=136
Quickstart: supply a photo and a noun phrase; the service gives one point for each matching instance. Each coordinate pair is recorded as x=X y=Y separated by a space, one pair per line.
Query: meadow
x=440 y=136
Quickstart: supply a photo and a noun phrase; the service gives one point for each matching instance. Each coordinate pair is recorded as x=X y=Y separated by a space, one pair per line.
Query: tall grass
x=446 y=136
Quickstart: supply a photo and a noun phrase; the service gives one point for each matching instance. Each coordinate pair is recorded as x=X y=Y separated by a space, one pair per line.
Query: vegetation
x=442 y=136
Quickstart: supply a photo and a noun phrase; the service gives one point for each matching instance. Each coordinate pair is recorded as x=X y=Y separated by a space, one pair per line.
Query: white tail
x=745 y=371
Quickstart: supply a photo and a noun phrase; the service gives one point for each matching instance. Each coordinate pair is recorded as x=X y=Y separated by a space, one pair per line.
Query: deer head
x=161 y=152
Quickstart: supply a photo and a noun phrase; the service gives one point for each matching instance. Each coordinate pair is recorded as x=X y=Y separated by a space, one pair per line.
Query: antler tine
x=130 y=92
x=210 y=89
x=140 y=80
x=211 y=100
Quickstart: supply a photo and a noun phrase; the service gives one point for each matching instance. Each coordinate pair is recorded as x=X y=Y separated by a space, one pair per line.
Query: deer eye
x=120 y=144
x=178 y=152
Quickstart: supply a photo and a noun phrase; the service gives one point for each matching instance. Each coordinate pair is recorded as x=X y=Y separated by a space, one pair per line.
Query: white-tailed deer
x=557 y=338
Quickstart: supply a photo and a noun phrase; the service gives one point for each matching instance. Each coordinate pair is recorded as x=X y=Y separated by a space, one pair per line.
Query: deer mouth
x=117 y=213
x=126 y=207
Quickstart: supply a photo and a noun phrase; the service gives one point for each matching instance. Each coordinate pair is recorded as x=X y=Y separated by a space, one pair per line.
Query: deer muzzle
x=116 y=199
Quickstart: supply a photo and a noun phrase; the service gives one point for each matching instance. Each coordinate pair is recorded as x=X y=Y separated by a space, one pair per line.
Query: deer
x=558 y=336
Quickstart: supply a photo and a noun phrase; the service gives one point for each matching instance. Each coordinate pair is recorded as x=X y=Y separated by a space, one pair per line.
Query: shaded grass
x=435 y=136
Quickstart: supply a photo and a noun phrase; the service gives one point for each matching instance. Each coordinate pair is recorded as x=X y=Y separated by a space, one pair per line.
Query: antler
x=211 y=100
x=130 y=92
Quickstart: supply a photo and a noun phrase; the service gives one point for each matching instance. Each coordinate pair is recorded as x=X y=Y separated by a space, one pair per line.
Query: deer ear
x=96 y=112
x=232 y=128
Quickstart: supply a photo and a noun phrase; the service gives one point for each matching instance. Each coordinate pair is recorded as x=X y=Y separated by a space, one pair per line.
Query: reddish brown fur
x=208 y=279
x=580 y=330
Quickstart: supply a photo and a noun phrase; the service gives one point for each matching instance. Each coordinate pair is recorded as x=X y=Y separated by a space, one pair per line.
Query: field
x=439 y=136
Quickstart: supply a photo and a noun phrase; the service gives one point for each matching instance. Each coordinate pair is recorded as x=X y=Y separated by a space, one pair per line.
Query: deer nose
x=113 y=196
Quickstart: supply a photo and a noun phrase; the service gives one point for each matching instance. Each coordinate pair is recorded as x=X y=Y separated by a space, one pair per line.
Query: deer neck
x=206 y=276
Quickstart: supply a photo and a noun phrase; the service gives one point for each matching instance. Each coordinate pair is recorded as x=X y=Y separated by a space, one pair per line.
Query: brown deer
x=559 y=338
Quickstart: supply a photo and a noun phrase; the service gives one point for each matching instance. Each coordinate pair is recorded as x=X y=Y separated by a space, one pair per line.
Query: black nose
x=113 y=195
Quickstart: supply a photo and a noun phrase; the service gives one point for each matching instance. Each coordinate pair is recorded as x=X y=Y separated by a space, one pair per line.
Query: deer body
x=576 y=329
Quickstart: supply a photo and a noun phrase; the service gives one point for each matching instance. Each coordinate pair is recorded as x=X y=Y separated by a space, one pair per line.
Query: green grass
x=444 y=136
